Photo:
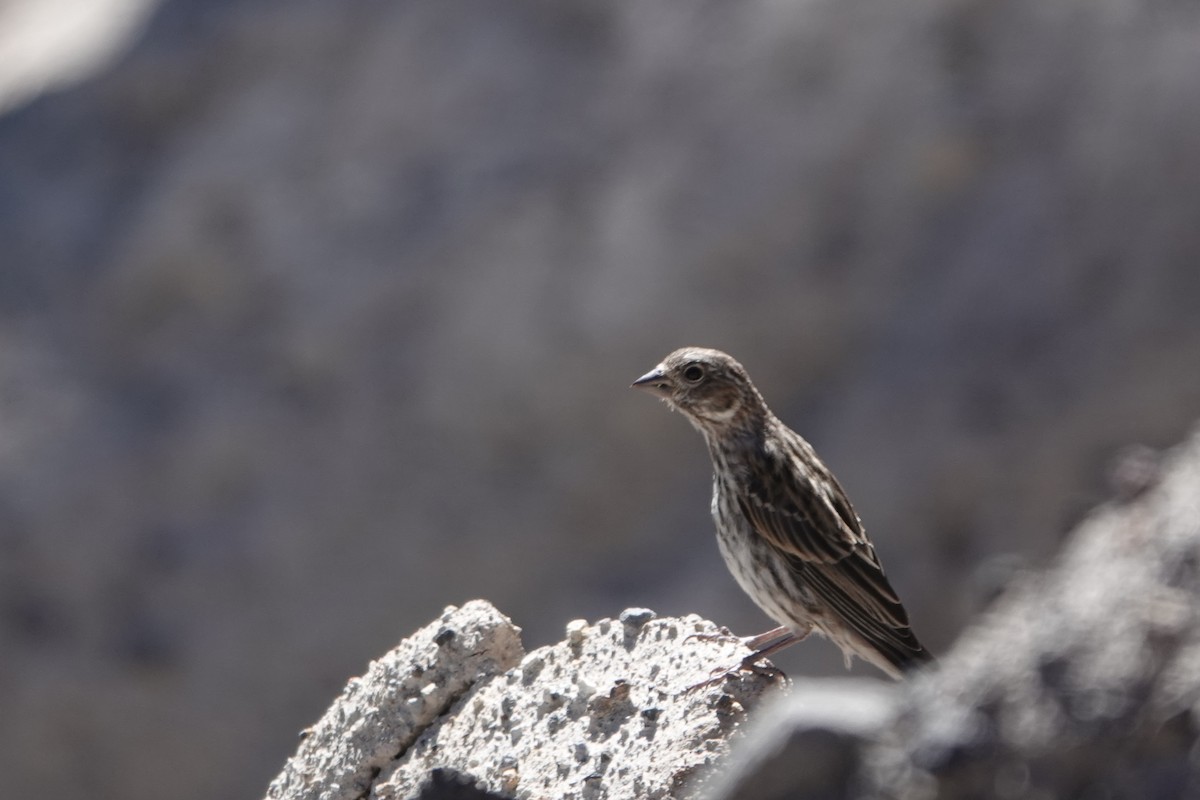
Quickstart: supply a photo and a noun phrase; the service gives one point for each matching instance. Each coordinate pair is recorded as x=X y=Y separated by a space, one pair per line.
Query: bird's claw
x=748 y=664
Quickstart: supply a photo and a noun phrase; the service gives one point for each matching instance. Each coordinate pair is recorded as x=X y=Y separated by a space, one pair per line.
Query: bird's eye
x=693 y=373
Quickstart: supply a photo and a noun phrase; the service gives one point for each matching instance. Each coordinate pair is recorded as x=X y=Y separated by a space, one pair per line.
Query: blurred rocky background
x=317 y=317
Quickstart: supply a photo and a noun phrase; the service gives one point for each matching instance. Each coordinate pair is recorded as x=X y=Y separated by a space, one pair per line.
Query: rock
x=807 y=745
x=381 y=714
x=605 y=713
x=448 y=784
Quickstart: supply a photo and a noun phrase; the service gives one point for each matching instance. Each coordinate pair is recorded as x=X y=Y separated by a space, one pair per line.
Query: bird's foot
x=763 y=645
x=750 y=664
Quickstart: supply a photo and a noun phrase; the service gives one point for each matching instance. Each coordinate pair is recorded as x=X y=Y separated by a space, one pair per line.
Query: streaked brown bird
x=785 y=527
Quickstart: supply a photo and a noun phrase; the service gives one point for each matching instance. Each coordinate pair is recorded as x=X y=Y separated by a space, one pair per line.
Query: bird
x=785 y=527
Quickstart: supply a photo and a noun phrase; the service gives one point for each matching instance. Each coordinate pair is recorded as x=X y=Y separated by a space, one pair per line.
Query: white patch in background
x=47 y=44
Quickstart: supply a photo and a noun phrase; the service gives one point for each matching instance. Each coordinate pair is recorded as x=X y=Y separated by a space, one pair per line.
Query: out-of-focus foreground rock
x=317 y=317
x=605 y=713
x=1082 y=682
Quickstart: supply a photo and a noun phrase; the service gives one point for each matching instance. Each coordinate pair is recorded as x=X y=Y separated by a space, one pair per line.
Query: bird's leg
x=768 y=644
x=764 y=645
x=753 y=642
x=757 y=642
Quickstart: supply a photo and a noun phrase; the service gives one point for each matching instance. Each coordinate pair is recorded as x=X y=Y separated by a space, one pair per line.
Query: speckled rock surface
x=603 y=714
x=379 y=715
x=608 y=712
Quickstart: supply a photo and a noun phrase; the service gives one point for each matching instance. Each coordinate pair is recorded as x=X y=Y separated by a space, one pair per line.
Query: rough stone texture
x=606 y=713
x=1082 y=682
x=316 y=317
x=379 y=715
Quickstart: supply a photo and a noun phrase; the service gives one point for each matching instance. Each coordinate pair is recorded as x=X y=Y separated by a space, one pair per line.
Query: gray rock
x=607 y=713
x=808 y=743
x=381 y=714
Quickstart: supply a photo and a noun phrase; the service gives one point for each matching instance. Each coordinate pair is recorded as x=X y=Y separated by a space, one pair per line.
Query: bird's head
x=708 y=386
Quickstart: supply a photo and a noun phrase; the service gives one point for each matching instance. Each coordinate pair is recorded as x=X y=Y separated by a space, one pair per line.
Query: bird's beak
x=655 y=382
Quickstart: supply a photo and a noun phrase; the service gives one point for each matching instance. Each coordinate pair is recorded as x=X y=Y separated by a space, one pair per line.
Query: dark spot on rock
x=450 y=784
x=636 y=617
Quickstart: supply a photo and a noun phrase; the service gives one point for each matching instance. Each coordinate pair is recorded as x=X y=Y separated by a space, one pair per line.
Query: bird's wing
x=806 y=515
x=798 y=506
